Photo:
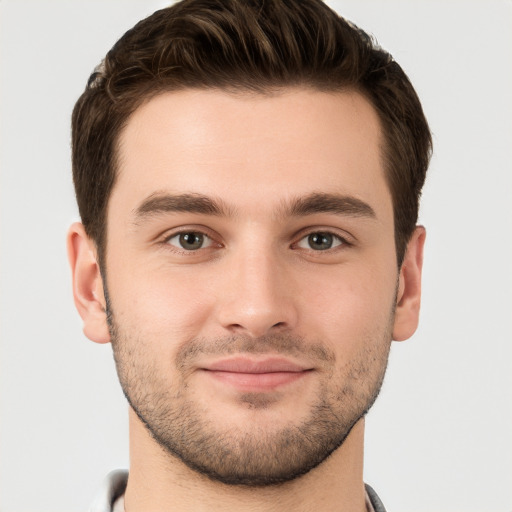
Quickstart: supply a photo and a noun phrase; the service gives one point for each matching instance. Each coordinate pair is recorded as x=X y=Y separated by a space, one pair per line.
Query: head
x=248 y=176
x=250 y=46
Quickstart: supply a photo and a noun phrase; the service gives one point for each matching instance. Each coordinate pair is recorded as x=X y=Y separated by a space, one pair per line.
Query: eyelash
x=195 y=231
x=339 y=240
x=342 y=241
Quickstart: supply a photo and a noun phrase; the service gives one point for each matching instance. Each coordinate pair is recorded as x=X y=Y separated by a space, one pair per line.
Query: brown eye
x=190 y=240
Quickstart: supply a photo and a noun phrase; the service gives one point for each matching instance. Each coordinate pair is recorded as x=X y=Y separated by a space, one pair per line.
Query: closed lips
x=245 y=365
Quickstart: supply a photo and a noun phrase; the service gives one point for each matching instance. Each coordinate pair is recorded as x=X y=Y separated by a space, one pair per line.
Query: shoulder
x=111 y=489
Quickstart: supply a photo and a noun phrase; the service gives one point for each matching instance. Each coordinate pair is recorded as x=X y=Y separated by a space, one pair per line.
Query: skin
x=256 y=280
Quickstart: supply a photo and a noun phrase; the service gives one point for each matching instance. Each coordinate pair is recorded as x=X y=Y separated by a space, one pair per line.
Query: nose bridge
x=258 y=298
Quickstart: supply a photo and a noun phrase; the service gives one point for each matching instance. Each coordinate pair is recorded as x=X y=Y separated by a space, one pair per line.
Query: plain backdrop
x=439 y=437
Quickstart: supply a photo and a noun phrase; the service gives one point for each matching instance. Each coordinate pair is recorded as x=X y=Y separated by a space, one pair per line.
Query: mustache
x=281 y=344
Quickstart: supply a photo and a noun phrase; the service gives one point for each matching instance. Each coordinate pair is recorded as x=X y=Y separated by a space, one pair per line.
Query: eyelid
x=187 y=228
x=345 y=238
x=202 y=230
x=208 y=241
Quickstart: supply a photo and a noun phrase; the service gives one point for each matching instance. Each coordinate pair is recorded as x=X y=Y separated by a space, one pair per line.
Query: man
x=248 y=177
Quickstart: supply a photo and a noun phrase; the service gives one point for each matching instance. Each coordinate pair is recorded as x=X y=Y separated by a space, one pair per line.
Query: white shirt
x=111 y=495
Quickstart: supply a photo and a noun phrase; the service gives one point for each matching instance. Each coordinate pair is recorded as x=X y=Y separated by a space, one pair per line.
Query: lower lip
x=257 y=381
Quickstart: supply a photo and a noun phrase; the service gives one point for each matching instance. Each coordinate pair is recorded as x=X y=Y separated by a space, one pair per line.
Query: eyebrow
x=316 y=202
x=320 y=202
x=159 y=203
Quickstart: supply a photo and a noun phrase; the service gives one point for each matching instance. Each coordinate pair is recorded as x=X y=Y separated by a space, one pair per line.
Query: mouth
x=250 y=375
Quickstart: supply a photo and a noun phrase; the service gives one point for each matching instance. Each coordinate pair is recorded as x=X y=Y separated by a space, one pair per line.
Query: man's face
x=251 y=272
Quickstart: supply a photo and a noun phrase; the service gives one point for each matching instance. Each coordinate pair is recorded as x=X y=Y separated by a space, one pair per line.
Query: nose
x=257 y=298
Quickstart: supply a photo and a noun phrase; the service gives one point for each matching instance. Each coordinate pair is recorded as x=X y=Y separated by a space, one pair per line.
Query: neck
x=158 y=480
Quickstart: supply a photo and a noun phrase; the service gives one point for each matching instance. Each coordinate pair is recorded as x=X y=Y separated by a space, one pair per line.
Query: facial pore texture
x=159 y=393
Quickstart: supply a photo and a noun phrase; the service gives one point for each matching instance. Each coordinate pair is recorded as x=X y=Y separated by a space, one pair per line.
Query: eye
x=320 y=241
x=190 y=240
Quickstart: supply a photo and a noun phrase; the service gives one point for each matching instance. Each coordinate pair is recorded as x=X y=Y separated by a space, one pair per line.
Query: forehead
x=252 y=148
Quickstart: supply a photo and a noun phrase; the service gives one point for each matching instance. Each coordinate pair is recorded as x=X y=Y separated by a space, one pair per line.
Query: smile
x=249 y=375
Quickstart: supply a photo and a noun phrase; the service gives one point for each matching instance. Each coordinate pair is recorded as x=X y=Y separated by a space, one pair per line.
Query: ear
x=409 y=287
x=87 y=284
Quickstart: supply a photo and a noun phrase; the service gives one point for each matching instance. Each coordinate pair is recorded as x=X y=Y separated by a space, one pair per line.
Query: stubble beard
x=256 y=456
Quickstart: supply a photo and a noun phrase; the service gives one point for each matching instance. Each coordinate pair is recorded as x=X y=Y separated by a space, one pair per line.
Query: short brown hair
x=246 y=45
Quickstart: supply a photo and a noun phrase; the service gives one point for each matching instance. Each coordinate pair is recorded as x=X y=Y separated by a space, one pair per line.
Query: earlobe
x=87 y=284
x=409 y=288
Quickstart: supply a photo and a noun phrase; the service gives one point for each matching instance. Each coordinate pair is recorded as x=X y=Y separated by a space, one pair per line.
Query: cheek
x=352 y=305
x=160 y=306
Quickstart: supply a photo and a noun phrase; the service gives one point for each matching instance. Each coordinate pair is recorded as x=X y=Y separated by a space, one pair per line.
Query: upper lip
x=248 y=365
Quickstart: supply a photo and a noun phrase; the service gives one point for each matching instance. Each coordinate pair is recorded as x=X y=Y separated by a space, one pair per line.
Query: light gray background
x=439 y=437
